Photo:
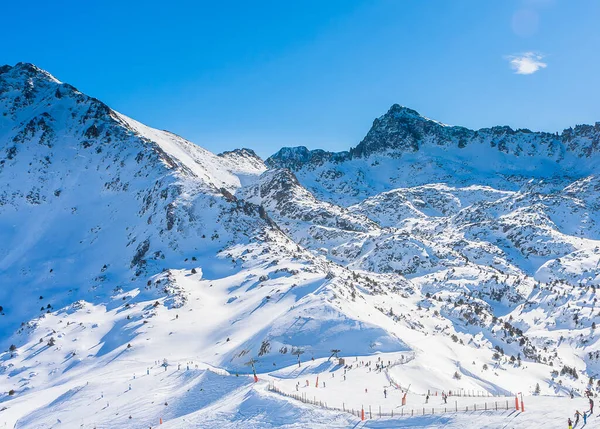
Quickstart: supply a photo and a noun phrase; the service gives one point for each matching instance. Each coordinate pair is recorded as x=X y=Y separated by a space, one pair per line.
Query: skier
x=577 y=414
x=427 y=399
x=585 y=416
x=570 y=423
x=384 y=393
x=591 y=406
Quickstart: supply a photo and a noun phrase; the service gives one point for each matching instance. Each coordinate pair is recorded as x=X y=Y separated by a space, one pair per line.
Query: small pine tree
x=537 y=389
x=12 y=348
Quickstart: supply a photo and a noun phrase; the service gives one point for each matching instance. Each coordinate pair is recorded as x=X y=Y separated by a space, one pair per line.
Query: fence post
x=380 y=411
x=370 y=414
x=456 y=406
x=344 y=406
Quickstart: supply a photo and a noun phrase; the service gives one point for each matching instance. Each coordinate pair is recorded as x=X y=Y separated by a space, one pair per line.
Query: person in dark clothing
x=570 y=423
x=384 y=393
x=577 y=414
x=591 y=406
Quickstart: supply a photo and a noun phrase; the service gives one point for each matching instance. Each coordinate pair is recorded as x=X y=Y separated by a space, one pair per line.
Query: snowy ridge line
x=504 y=405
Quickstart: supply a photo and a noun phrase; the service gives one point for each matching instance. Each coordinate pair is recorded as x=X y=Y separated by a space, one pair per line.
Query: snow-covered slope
x=497 y=229
x=466 y=260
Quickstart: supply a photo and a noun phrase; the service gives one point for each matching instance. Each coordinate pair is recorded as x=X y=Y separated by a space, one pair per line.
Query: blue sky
x=267 y=74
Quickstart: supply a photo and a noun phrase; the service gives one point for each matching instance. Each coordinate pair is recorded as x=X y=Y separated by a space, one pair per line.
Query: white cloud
x=527 y=62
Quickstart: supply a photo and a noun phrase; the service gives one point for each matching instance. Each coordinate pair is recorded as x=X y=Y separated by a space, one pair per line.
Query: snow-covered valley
x=144 y=277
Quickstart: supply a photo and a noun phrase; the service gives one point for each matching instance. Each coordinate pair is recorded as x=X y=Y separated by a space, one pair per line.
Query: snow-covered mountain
x=403 y=148
x=474 y=253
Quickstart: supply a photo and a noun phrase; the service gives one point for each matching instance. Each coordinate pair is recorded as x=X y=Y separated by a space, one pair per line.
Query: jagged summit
x=25 y=70
x=241 y=151
x=399 y=110
x=404 y=137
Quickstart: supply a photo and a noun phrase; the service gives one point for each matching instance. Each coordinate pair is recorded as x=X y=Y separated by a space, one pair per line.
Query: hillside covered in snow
x=145 y=278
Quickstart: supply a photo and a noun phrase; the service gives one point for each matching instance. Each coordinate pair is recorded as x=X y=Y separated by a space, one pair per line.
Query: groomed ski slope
x=204 y=397
x=85 y=378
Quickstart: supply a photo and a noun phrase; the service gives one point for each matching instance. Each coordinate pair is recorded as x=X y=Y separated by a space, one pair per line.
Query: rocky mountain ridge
x=403 y=148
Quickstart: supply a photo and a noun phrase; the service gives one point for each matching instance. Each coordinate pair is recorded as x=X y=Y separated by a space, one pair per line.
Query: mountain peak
x=26 y=70
x=246 y=152
x=399 y=110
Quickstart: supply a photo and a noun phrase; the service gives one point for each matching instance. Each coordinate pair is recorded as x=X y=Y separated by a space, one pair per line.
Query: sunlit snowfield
x=123 y=247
